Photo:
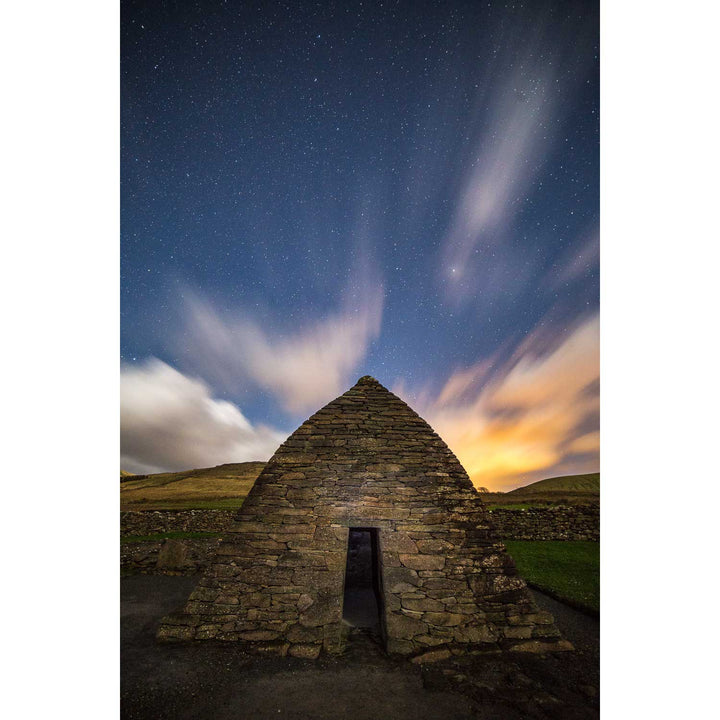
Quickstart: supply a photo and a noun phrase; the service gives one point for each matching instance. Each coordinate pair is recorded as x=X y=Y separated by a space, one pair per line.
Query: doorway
x=362 y=602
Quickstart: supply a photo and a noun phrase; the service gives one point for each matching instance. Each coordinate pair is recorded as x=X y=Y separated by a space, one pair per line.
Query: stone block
x=276 y=648
x=175 y=632
x=422 y=604
x=476 y=634
x=400 y=647
x=304 y=602
x=398 y=543
x=536 y=646
x=443 y=619
x=396 y=579
x=322 y=613
x=309 y=652
x=422 y=562
x=403 y=627
x=434 y=547
x=302 y=634
x=431 y=656
x=172 y=556
x=430 y=640
x=518 y=632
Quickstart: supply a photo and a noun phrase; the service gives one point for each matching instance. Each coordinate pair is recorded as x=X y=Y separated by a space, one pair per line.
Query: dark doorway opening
x=362 y=605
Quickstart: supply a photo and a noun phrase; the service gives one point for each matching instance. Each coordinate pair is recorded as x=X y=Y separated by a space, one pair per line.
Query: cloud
x=577 y=263
x=520 y=110
x=169 y=421
x=304 y=367
x=506 y=161
x=527 y=418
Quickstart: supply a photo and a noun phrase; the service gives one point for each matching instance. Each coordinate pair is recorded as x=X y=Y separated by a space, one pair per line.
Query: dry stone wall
x=145 y=557
x=575 y=522
x=364 y=460
x=147 y=522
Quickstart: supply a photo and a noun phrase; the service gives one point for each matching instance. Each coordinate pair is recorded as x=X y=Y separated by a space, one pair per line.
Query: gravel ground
x=219 y=681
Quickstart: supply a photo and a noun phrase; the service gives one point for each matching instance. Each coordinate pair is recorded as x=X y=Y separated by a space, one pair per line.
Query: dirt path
x=221 y=682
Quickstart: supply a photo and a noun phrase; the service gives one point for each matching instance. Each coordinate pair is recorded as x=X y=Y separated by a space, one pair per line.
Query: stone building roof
x=364 y=460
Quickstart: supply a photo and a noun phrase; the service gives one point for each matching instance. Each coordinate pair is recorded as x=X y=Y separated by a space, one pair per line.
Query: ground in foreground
x=220 y=681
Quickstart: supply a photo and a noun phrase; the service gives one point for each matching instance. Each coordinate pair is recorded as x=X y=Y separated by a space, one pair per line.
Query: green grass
x=587 y=483
x=177 y=535
x=569 y=570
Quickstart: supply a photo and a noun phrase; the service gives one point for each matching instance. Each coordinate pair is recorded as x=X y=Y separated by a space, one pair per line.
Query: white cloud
x=169 y=421
x=304 y=368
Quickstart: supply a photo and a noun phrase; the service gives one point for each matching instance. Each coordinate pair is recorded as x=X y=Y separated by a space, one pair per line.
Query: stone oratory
x=364 y=517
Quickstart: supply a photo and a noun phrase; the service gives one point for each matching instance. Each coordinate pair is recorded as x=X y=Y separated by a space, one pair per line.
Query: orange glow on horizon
x=534 y=418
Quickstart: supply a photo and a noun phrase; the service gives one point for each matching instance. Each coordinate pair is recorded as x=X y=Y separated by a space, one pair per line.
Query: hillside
x=563 y=490
x=224 y=486
x=589 y=483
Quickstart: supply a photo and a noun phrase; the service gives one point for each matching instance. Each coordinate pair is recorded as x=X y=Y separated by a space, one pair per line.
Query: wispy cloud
x=581 y=259
x=506 y=161
x=528 y=417
x=520 y=110
x=169 y=421
x=304 y=367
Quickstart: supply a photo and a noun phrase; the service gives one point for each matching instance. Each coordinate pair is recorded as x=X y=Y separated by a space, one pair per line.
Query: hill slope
x=224 y=486
x=588 y=483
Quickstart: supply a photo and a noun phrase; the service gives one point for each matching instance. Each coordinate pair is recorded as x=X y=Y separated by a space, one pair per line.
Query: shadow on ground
x=219 y=681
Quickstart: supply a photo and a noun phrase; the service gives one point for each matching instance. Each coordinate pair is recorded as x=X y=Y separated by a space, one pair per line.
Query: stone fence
x=188 y=556
x=149 y=522
x=572 y=522
x=168 y=557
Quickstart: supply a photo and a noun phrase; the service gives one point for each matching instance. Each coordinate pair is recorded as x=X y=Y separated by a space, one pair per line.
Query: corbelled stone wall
x=364 y=460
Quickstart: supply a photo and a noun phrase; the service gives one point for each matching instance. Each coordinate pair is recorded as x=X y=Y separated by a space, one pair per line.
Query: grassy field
x=565 y=490
x=569 y=570
x=219 y=488
x=588 y=483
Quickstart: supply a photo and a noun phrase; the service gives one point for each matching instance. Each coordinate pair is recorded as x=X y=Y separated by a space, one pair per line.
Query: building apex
x=367 y=380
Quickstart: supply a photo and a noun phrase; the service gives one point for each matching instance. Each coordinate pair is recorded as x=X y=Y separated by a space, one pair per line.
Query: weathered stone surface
x=518 y=632
x=259 y=635
x=434 y=547
x=423 y=562
x=365 y=460
x=173 y=555
x=442 y=619
x=310 y=652
x=401 y=647
x=304 y=602
x=421 y=604
x=303 y=634
x=536 y=646
x=431 y=656
x=403 y=627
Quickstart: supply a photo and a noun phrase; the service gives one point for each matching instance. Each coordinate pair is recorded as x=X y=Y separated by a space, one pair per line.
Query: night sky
x=311 y=192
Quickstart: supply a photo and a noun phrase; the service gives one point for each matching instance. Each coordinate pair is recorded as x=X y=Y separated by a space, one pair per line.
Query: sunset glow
x=533 y=417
